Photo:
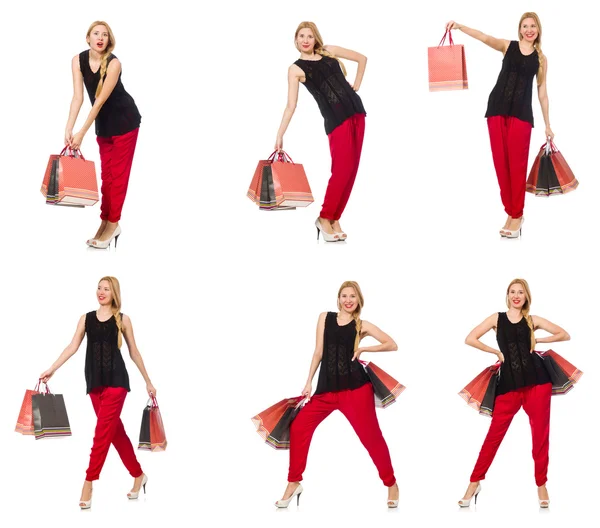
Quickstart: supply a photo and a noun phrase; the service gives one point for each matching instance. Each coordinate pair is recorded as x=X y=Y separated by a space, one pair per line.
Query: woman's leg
x=505 y=407
x=106 y=150
x=518 y=140
x=358 y=406
x=121 y=161
x=536 y=403
x=497 y=127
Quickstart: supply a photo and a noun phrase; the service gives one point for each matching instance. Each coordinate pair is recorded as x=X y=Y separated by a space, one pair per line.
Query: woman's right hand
x=307 y=391
x=452 y=25
x=279 y=143
x=68 y=137
x=46 y=375
x=500 y=356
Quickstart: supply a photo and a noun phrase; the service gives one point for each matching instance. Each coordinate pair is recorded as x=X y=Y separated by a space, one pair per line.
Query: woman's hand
x=307 y=391
x=279 y=143
x=68 y=137
x=500 y=356
x=151 y=390
x=76 y=140
x=355 y=86
x=452 y=25
x=46 y=375
x=357 y=353
x=549 y=133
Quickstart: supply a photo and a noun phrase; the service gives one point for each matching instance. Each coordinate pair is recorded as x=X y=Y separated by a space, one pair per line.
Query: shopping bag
x=50 y=418
x=70 y=180
x=385 y=387
x=25 y=419
x=480 y=392
x=152 y=430
x=255 y=189
x=563 y=374
x=550 y=173
x=273 y=424
x=447 y=66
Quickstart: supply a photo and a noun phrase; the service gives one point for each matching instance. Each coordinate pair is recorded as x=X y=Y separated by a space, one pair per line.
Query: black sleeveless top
x=337 y=100
x=512 y=94
x=119 y=114
x=521 y=367
x=338 y=372
x=104 y=365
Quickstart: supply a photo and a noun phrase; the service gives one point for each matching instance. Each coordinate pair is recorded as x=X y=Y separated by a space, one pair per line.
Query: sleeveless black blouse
x=119 y=114
x=337 y=100
x=104 y=365
x=338 y=372
x=521 y=367
x=513 y=92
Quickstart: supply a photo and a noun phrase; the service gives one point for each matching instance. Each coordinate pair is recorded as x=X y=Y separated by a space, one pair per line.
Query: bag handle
x=37 y=387
x=549 y=146
x=152 y=402
x=72 y=153
x=450 y=40
x=281 y=156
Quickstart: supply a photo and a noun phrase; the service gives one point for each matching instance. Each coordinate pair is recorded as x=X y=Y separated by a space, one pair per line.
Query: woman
x=343 y=385
x=321 y=71
x=523 y=381
x=510 y=114
x=117 y=125
x=107 y=382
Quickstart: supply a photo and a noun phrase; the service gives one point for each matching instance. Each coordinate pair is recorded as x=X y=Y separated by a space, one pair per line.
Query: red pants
x=358 y=406
x=116 y=157
x=509 y=138
x=345 y=144
x=108 y=402
x=536 y=403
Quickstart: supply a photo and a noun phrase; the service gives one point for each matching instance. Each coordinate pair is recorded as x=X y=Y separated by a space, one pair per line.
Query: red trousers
x=536 y=403
x=358 y=406
x=108 y=402
x=116 y=157
x=509 y=138
x=345 y=144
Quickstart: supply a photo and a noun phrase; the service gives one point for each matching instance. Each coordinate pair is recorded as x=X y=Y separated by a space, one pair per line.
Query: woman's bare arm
x=134 y=353
x=495 y=43
x=354 y=56
x=473 y=339
x=387 y=344
x=317 y=355
x=543 y=98
x=294 y=75
x=68 y=351
x=76 y=101
x=557 y=333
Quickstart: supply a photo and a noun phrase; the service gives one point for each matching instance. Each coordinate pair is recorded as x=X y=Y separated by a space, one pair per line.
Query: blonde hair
x=105 y=54
x=318 y=49
x=525 y=309
x=537 y=44
x=115 y=289
x=356 y=313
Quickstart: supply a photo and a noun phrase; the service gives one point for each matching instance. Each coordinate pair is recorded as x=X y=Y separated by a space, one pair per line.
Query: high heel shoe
x=343 y=236
x=465 y=503
x=85 y=505
x=103 y=244
x=544 y=503
x=517 y=232
x=135 y=494
x=328 y=237
x=284 y=503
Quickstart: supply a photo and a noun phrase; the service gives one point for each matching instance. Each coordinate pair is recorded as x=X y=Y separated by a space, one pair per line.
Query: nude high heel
x=284 y=503
x=465 y=503
x=134 y=494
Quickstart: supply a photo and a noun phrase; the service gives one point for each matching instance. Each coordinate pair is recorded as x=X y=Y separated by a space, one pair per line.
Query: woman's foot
x=393 y=496
x=86 y=495
x=337 y=228
x=473 y=489
x=543 y=497
x=138 y=482
x=513 y=224
x=98 y=233
x=324 y=226
x=289 y=491
x=294 y=489
x=506 y=224
x=108 y=231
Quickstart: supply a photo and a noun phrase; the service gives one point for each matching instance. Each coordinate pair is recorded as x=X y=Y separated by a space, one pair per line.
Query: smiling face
x=98 y=38
x=517 y=297
x=529 y=30
x=348 y=300
x=104 y=293
x=305 y=40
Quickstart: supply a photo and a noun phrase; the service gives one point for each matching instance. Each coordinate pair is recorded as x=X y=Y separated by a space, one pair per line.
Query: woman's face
x=104 y=293
x=305 y=41
x=98 y=38
x=529 y=30
x=516 y=296
x=348 y=300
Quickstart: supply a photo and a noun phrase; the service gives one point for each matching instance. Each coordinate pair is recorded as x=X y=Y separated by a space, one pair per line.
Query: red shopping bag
x=152 y=430
x=287 y=184
x=447 y=66
x=476 y=390
x=70 y=180
x=25 y=419
x=386 y=388
x=550 y=173
x=256 y=183
x=273 y=424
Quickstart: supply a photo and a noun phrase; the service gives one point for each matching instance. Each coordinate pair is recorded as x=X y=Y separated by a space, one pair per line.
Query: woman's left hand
x=357 y=353
x=549 y=133
x=77 y=140
x=151 y=390
x=355 y=87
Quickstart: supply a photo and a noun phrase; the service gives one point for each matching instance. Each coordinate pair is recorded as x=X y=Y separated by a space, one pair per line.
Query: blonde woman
x=510 y=113
x=342 y=385
x=324 y=75
x=117 y=122
x=107 y=382
x=523 y=382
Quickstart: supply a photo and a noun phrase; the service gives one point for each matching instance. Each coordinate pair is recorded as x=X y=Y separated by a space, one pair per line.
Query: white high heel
x=103 y=244
x=135 y=494
x=328 y=237
x=544 y=503
x=517 y=232
x=465 y=503
x=85 y=505
x=284 y=503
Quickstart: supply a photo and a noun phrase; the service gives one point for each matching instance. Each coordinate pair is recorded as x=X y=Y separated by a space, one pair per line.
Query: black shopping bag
x=50 y=418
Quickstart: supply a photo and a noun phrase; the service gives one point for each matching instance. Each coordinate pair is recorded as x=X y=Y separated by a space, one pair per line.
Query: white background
x=224 y=299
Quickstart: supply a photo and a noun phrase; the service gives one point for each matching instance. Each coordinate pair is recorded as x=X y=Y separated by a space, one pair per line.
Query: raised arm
x=558 y=334
x=347 y=54
x=473 y=339
x=67 y=352
x=135 y=355
x=294 y=76
x=76 y=101
x=112 y=77
x=369 y=329
x=317 y=356
x=495 y=43
x=543 y=97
